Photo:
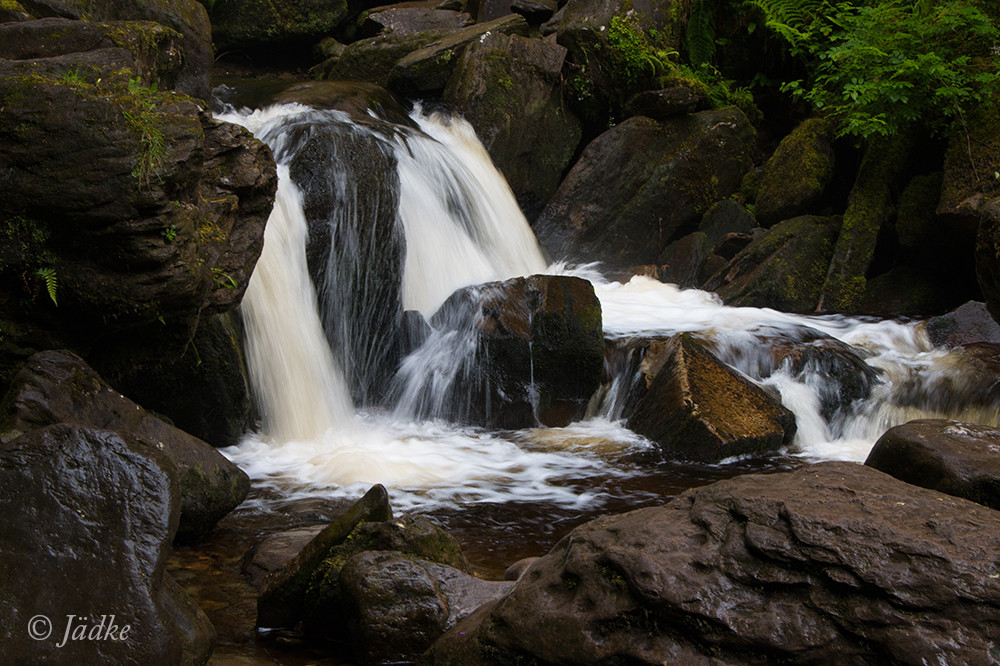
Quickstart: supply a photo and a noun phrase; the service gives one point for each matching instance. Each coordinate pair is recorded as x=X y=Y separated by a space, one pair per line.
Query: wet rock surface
x=58 y=387
x=103 y=509
x=834 y=563
x=961 y=459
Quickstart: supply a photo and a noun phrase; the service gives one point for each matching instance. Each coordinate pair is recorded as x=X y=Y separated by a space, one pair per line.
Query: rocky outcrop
x=507 y=88
x=987 y=251
x=831 y=564
x=255 y=26
x=373 y=58
x=964 y=325
x=797 y=174
x=695 y=407
x=538 y=350
x=58 y=387
x=610 y=206
x=960 y=459
x=784 y=269
x=125 y=207
x=411 y=20
x=89 y=516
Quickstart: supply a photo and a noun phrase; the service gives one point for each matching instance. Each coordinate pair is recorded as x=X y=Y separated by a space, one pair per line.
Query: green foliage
x=224 y=279
x=633 y=58
x=142 y=118
x=884 y=67
x=48 y=275
x=700 y=38
x=169 y=233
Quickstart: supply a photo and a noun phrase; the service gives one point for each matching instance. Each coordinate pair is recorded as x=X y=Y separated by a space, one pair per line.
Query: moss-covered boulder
x=988 y=255
x=697 y=408
x=797 y=174
x=269 y=27
x=640 y=183
x=188 y=17
x=373 y=58
x=125 y=207
x=689 y=261
x=784 y=269
x=428 y=69
x=507 y=88
x=908 y=291
x=969 y=167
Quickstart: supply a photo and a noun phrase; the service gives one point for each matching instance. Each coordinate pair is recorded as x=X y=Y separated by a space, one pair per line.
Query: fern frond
x=701 y=32
x=49 y=276
x=792 y=20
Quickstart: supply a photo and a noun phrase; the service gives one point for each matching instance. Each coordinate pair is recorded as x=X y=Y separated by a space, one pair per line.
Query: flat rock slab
x=961 y=459
x=834 y=563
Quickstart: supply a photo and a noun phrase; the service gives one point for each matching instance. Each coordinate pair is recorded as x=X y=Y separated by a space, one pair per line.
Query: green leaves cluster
x=880 y=68
x=143 y=120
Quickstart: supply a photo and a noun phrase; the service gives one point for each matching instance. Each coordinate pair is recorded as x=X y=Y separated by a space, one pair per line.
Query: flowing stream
x=462 y=227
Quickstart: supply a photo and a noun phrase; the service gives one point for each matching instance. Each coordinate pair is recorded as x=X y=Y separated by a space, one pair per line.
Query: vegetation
x=142 y=118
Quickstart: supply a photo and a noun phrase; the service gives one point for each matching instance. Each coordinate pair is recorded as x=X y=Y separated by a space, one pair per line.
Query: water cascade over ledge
x=330 y=429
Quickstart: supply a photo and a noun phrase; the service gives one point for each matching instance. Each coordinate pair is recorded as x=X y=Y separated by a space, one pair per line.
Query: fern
x=49 y=276
x=701 y=32
x=793 y=20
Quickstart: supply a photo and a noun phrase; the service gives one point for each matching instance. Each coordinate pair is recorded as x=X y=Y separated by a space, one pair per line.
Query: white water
x=463 y=227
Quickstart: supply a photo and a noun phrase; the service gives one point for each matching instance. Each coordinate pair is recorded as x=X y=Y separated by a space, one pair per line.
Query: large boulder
x=784 y=269
x=961 y=459
x=538 y=350
x=797 y=174
x=397 y=606
x=58 y=387
x=507 y=88
x=126 y=206
x=835 y=563
x=612 y=207
x=372 y=59
x=411 y=20
x=274 y=28
x=966 y=324
x=88 y=518
x=987 y=253
x=695 y=407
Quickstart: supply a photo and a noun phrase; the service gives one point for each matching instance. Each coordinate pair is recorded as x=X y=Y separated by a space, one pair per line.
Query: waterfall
x=324 y=329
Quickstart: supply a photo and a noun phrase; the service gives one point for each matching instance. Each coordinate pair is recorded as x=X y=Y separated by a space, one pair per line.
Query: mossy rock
x=798 y=173
x=250 y=25
x=373 y=59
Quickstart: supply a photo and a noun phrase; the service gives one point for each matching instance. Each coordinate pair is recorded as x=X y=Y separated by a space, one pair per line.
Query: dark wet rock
x=514 y=571
x=697 y=408
x=281 y=598
x=205 y=391
x=131 y=231
x=732 y=244
x=662 y=104
x=415 y=331
x=275 y=551
x=325 y=614
x=987 y=251
x=961 y=459
x=921 y=234
x=798 y=173
x=188 y=17
x=429 y=68
x=907 y=291
x=398 y=606
x=968 y=183
x=89 y=516
x=14 y=12
x=57 y=46
x=372 y=59
x=507 y=87
x=253 y=26
x=726 y=217
x=539 y=350
x=610 y=207
x=412 y=20
x=688 y=262
x=355 y=250
x=969 y=323
x=58 y=387
x=784 y=269
x=535 y=12
x=835 y=563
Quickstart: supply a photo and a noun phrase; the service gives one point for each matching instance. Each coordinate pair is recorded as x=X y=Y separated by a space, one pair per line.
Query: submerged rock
x=610 y=207
x=961 y=459
x=58 y=387
x=695 y=407
x=88 y=517
x=832 y=564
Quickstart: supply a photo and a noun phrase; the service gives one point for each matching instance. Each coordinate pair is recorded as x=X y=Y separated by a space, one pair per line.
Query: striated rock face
x=695 y=407
x=835 y=563
x=506 y=87
x=611 y=206
x=961 y=459
x=58 y=387
x=88 y=517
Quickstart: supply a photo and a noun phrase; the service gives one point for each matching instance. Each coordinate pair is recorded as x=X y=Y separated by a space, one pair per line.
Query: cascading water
x=462 y=227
